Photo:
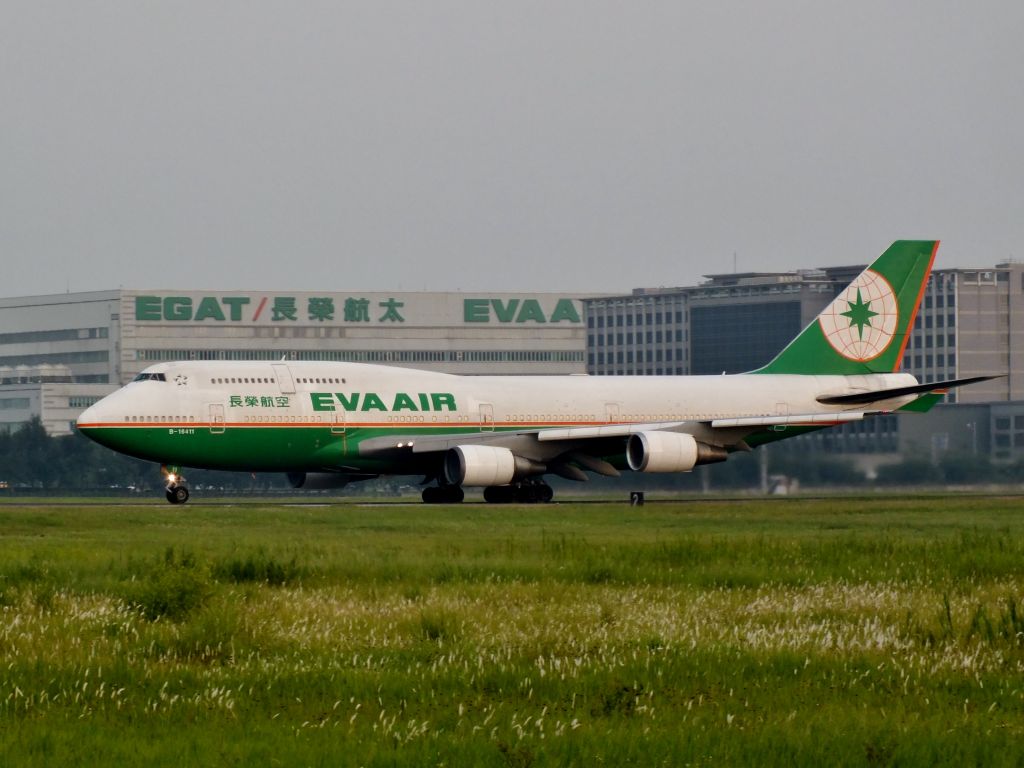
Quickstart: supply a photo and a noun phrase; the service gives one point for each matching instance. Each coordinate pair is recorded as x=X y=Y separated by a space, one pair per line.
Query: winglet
x=866 y=327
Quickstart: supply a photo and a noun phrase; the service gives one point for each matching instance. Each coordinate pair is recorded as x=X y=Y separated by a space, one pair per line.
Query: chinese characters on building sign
x=348 y=309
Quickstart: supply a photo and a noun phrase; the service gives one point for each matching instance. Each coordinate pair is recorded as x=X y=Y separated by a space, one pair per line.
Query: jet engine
x=484 y=465
x=669 y=452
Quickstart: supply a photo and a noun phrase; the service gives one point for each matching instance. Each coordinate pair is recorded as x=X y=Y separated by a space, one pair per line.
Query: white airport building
x=61 y=353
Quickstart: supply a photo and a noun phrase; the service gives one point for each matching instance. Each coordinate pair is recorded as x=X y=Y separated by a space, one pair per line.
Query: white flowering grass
x=859 y=632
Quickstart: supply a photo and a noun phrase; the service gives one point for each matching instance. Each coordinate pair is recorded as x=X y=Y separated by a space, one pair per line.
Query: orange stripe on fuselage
x=350 y=425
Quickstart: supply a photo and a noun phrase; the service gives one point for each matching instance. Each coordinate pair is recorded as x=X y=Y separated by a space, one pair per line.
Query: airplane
x=328 y=424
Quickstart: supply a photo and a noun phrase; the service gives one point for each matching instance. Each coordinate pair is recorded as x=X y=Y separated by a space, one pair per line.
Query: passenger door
x=486 y=417
x=216 y=418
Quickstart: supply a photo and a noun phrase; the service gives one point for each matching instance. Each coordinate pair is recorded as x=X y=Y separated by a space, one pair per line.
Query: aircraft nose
x=88 y=416
x=96 y=423
x=95 y=415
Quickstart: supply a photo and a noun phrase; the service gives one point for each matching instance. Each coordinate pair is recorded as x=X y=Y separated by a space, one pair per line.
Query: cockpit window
x=150 y=377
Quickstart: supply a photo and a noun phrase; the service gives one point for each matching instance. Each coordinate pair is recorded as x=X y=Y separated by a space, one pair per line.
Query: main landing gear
x=443 y=494
x=174 y=489
x=525 y=492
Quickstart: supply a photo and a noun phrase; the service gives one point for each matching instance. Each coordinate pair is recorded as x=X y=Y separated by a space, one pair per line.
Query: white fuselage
x=256 y=393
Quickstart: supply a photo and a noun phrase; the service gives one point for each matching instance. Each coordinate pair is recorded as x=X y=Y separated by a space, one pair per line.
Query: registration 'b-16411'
x=329 y=424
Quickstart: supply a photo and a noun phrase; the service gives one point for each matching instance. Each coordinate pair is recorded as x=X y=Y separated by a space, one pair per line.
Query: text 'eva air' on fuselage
x=371 y=401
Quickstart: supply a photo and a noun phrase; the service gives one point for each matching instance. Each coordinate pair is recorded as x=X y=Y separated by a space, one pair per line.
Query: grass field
x=847 y=631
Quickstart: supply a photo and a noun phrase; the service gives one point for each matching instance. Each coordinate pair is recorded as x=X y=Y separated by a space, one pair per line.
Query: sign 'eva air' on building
x=518 y=311
x=339 y=309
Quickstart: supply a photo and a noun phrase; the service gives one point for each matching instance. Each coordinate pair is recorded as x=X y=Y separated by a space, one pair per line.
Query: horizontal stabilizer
x=859 y=398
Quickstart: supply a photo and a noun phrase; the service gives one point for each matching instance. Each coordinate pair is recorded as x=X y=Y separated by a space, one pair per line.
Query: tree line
x=30 y=459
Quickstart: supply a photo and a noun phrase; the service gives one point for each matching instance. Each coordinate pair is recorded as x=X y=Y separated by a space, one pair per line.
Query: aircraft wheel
x=444 y=494
x=521 y=493
x=499 y=494
x=534 y=493
x=177 y=494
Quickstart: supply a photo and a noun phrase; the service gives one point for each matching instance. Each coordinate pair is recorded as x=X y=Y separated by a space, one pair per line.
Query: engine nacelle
x=483 y=465
x=669 y=452
x=319 y=481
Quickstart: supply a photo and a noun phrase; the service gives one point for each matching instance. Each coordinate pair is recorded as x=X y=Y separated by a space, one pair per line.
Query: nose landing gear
x=174 y=489
x=177 y=494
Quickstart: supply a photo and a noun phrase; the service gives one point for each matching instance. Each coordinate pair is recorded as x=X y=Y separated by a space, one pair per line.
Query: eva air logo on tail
x=861 y=322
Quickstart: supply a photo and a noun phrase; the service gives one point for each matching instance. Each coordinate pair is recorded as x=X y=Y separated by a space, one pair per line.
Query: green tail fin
x=865 y=329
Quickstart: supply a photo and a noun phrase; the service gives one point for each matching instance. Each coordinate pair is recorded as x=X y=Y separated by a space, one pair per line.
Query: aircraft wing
x=568 y=451
x=792 y=420
x=510 y=439
x=726 y=432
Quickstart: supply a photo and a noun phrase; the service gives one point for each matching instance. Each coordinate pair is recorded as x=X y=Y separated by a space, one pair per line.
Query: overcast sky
x=576 y=146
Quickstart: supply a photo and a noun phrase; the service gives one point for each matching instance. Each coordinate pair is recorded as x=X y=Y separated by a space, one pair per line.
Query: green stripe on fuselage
x=272 y=448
